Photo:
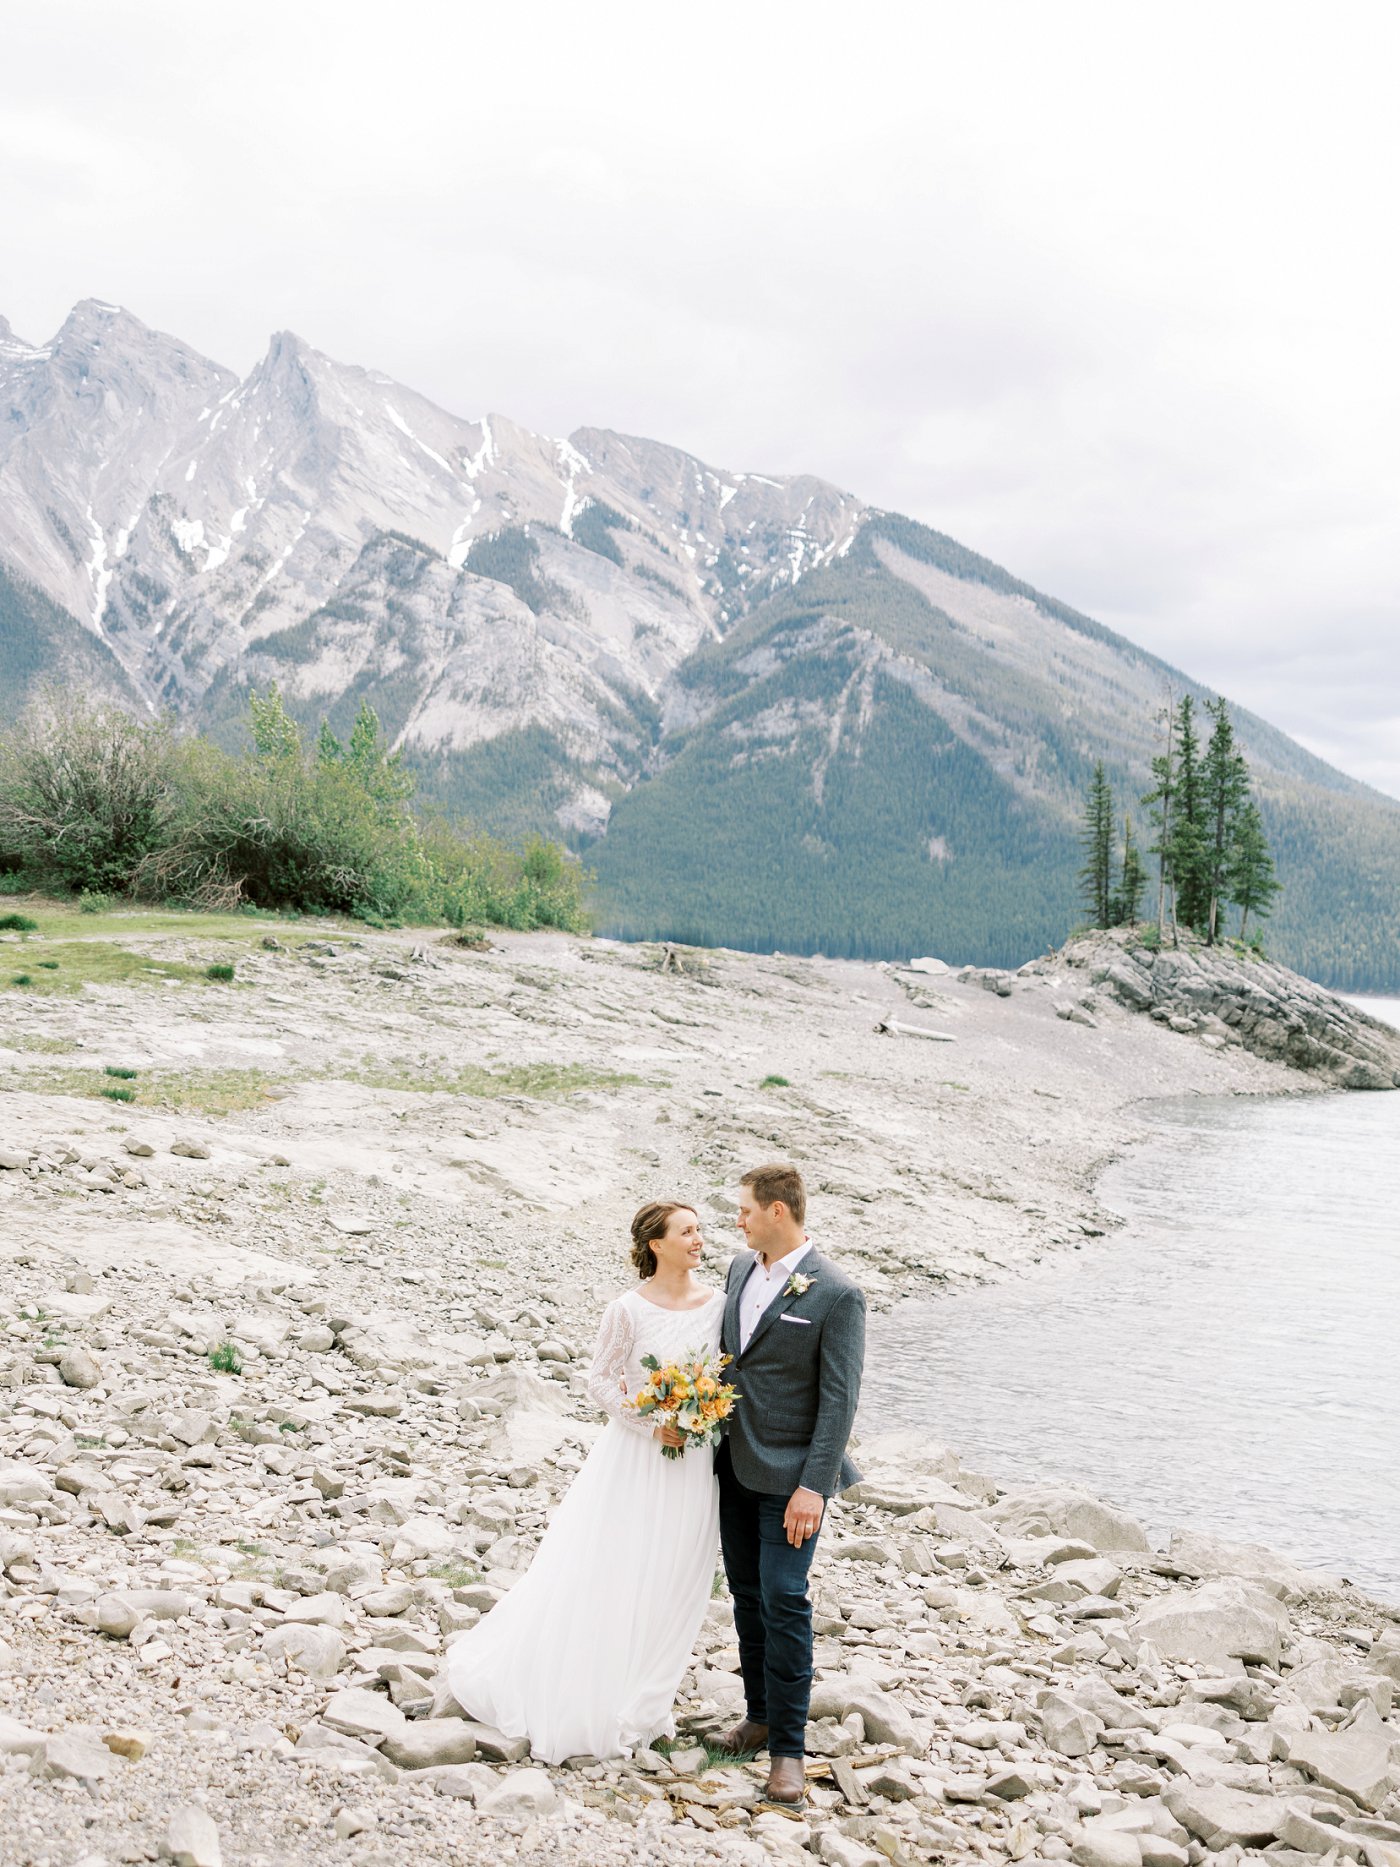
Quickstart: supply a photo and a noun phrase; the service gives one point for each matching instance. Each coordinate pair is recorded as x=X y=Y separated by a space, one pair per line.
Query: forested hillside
x=873 y=772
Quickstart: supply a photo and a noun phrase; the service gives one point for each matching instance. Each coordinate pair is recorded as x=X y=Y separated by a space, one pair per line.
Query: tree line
x=1211 y=849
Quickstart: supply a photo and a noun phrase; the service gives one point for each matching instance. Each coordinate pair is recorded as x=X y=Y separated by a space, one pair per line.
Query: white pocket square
x=803 y=1322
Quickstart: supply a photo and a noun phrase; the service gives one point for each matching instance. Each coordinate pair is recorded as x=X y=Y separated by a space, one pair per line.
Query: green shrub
x=22 y=978
x=17 y=923
x=120 y=1072
x=118 y=1092
x=225 y=1359
x=83 y=791
x=93 y=801
x=49 y=965
x=775 y=1082
x=475 y=880
x=221 y=970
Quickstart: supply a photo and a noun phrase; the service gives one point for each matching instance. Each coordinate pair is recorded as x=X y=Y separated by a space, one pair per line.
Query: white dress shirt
x=763 y=1286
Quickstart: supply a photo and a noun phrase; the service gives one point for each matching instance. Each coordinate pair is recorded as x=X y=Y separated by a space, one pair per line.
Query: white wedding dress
x=584 y=1654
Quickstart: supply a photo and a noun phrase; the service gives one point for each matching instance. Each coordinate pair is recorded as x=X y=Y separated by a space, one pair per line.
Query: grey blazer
x=798 y=1380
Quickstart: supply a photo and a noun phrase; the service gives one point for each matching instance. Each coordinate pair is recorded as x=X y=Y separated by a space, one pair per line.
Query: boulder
x=1222 y=1817
x=1103 y=1847
x=192 y=1838
x=1384 y=1656
x=1356 y=1761
x=73 y=1754
x=469 y=1780
x=1067 y=1727
x=357 y=1712
x=1054 y=1511
x=316 y=1650
x=427 y=1743
x=1213 y=1555
x=1214 y=1624
x=423 y=1537
x=523 y=1792
x=17 y=1740
x=77 y=1368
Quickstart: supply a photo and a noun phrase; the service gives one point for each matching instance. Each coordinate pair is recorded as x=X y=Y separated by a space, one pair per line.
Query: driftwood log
x=891 y=1027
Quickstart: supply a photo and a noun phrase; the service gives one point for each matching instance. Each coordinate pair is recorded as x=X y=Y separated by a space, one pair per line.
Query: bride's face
x=682 y=1246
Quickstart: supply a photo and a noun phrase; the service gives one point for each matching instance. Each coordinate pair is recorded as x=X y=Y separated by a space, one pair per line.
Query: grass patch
x=18 y=923
x=73 y=964
x=455 y=1573
x=775 y=1082
x=221 y=972
x=46 y=1046
x=182 y=1092
x=120 y=1072
x=715 y=1757
x=225 y=1359
x=543 y=1081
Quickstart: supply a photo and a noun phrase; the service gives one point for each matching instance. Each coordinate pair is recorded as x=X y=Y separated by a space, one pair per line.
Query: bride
x=583 y=1656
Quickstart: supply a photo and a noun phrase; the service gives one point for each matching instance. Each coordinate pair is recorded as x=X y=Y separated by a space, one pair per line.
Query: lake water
x=1228 y=1361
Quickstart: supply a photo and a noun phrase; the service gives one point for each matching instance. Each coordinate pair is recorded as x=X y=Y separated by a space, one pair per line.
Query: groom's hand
x=803 y=1516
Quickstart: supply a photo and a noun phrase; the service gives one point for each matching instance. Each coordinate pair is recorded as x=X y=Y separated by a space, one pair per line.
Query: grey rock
x=17 y=1740
x=1061 y=1512
x=1217 y=1622
x=1307 y=1835
x=426 y=1743
x=1358 y=1761
x=495 y=1745
x=1224 y=1817
x=359 y=1713
x=75 y=1755
x=1068 y=1727
x=191 y=1149
x=470 y=1781
x=77 y=1368
x=192 y=1838
x=318 y=1651
x=523 y=1792
x=1104 y=1848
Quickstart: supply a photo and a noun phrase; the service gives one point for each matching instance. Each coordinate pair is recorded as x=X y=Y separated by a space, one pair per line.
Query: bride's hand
x=669 y=1436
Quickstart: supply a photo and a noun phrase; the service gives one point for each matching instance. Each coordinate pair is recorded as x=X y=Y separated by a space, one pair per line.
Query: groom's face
x=759 y=1224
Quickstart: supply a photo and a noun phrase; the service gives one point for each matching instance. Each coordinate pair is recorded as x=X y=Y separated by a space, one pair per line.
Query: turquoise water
x=1229 y=1360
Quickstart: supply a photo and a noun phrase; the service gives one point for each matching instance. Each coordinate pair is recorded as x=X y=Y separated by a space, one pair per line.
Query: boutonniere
x=797 y=1285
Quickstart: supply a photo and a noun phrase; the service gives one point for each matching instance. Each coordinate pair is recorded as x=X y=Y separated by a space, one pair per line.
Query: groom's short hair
x=778 y=1181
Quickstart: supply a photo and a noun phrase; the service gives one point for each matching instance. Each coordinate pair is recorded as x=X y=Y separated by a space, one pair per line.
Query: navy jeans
x=772 y=1611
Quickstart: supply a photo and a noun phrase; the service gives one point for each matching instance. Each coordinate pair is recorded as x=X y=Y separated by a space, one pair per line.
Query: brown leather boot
x=743 y=1739
x=787 y=1783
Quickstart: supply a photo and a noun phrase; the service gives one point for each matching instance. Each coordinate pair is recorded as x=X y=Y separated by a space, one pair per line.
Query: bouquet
x=689 y=1395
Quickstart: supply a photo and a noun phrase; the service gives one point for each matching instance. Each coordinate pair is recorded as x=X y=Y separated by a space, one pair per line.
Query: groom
x=795 y=1327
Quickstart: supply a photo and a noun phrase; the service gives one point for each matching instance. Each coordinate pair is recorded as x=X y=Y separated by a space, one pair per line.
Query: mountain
x=770 y=714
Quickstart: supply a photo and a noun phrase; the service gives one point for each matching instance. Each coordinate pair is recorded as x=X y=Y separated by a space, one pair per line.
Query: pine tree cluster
x=1210 y=845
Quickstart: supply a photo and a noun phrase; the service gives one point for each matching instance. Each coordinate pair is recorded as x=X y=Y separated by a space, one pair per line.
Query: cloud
x=1105 y=292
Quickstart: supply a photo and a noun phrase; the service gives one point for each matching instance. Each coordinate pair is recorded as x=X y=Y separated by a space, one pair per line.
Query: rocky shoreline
x=291 y=1359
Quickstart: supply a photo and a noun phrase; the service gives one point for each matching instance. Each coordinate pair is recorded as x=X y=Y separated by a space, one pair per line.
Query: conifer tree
x=1158 y=804
x=1096 y=877
x=1132 y=880
x=1225 y=788
x=1187 y=849
x=1252 y=879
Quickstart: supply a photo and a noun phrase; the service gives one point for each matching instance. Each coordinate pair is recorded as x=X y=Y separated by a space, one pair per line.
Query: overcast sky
x=1109 y=292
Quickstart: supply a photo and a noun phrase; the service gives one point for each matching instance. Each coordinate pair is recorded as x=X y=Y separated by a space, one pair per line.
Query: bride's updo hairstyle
x=650 y=1221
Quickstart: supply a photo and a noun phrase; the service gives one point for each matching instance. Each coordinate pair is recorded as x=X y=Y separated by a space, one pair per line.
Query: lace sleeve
x=607 y=1378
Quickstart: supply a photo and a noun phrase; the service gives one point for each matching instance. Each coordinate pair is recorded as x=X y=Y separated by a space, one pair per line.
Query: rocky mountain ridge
x=604 y=637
